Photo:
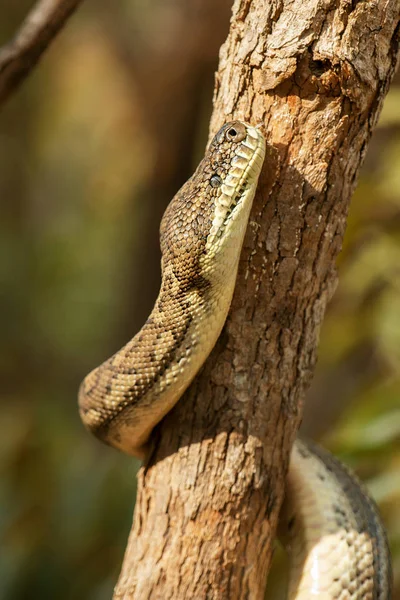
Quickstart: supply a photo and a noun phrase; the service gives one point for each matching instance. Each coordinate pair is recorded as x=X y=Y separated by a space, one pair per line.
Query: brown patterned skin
x=338 y=546
x=201 y=236
x=332 y=531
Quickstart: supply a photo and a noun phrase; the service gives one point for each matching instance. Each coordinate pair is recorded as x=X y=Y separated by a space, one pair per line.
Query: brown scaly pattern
x=332 y=530
x=123 y=399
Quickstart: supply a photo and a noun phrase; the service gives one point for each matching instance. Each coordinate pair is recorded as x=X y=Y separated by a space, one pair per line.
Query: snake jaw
x=233 y=201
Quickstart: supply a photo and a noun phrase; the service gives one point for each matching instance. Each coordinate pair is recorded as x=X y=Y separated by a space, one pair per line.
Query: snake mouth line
x=245 y=168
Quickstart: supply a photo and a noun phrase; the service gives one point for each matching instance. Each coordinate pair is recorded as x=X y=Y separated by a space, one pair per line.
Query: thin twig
x=20 y=55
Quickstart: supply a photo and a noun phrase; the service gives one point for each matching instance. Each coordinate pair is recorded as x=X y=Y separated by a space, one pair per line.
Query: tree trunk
x=314 y=74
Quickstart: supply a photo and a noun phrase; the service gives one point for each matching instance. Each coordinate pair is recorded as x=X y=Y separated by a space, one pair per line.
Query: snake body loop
x=329 y=523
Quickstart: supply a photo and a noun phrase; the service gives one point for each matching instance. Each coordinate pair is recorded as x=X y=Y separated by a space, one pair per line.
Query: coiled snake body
x=329 y=523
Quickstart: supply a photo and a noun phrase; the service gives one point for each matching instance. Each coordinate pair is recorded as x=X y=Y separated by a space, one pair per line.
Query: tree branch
x=21 y=54
x=314 y=74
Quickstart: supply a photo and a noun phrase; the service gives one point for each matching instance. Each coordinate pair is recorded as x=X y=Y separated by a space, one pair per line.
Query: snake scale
x=329 y=524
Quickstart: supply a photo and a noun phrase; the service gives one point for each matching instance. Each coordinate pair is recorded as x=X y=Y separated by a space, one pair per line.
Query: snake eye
x=236 y=132
x=215 y=181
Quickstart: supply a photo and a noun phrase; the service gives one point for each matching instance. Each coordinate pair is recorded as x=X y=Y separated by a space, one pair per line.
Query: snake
x=329 y=524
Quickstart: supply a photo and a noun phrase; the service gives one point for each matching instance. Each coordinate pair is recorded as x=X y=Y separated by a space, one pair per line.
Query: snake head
x=211 y=210
x=236 y=154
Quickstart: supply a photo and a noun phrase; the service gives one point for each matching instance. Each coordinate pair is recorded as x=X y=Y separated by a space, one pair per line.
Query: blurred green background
x=92 y=148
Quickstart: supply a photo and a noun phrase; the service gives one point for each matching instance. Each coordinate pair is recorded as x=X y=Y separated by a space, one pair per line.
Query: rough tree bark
x=314 y=74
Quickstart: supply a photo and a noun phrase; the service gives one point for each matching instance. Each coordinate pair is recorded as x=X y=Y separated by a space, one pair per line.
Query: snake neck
x=159 y=362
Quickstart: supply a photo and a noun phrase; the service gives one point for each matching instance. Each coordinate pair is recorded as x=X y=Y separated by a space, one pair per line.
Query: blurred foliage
x=76 y=157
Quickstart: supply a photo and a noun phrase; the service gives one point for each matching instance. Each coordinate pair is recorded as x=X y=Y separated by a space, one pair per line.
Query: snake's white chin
x=244 y=172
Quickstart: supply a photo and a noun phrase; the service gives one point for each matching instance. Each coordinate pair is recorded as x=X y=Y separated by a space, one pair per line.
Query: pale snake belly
x=329 y=524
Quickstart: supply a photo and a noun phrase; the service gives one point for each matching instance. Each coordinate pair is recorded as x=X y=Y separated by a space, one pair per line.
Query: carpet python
x=329 y=524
